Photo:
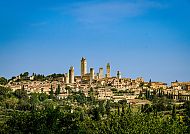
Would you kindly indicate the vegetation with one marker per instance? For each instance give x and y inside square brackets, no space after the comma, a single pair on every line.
[42,113]
[3,81]
[25,76]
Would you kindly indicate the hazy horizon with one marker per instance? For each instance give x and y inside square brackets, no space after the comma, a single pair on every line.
[140,38]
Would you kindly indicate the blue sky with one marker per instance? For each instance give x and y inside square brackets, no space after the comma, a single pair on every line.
[148,38]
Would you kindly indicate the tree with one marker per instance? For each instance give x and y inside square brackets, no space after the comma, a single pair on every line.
[108,108]
[91,95]
[186,105]
[42,96]
[11,103]
[141,84]
[147,95]
[96,114]
[58,90]
[118,109]
[25,74]
[162,104]
[159,92]
[101,107]
[34,100]
[79,97]
[21,94]
[3,81]
[4,91]
[23,105]
[51,92]
[147,108]
[68,89]
[114,90]
[49,104]
[39,77]
[174,112]
[123,109]
[54,120]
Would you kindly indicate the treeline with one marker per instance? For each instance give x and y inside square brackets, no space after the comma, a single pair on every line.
[150,95]
[60,121]
[40,113]
[25,76]
[3,81]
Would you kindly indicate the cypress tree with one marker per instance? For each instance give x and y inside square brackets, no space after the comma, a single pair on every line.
[108,107]
[51,92]
[142,108]
[58,90]
[159,93]
[123,109]
[174,112]
[118,110]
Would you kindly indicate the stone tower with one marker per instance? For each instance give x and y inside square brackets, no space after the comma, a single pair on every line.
[71,75]
[66,78]
[118,74]
[108,70]
[83,66]
[101,73]
[91,74]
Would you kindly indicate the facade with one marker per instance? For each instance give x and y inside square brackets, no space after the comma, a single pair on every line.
[104,94]
[139,79]
[83,67]
[158,85]
[118,83]
[180,85]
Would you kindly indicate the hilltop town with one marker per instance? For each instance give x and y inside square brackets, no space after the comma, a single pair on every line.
[94,67]
[92,103]
[105,87]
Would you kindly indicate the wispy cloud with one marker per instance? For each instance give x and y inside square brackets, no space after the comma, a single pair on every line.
[109,11]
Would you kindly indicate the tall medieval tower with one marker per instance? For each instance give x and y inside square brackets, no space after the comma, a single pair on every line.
[118,74]
[108,70]
[71,75]
[101,73]
[66,78]
[91,75]
[83,67]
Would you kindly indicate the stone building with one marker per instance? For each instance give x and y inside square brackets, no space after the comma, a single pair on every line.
[91,74]
[108,70]
[104,94]
[66,78]
[101,73]
[83,66]
[71,75]
[118,74]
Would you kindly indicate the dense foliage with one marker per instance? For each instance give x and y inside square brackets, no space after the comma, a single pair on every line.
[42,113]
[3,81]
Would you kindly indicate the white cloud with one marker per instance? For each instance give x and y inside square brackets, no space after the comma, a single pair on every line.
[109,11]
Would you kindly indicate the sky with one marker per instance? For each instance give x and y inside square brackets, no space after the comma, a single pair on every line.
[140,38]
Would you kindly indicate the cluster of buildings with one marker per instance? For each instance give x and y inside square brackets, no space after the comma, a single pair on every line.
[104,86]
[86,77]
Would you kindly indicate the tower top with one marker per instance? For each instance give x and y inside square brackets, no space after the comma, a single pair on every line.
[72,68]
[83,58]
